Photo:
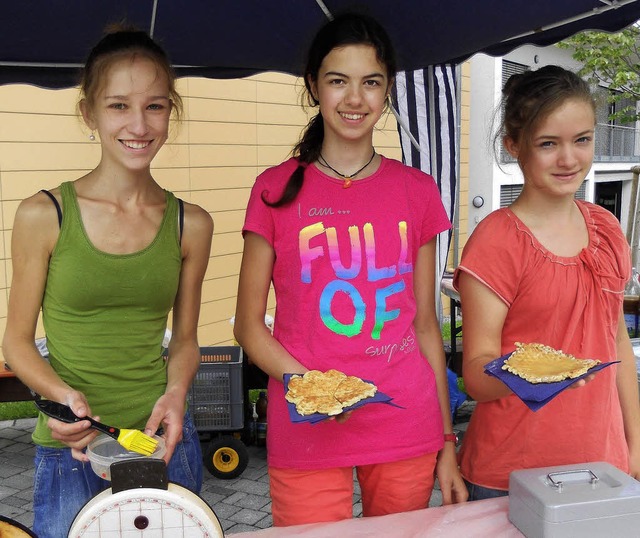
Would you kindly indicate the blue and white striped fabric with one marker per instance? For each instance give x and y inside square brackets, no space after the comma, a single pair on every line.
[428,125]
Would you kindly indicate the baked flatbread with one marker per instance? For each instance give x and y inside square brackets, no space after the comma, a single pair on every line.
[7,530]
[320,403]
[325,382]
[353,389]
[538,363]
[327,392]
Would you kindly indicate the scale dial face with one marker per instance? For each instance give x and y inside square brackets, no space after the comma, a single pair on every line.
[147,513]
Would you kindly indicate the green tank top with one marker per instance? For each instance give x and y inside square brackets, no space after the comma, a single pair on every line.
[105,316]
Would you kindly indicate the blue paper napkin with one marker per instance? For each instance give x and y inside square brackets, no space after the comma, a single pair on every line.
[534,395]
[378,397]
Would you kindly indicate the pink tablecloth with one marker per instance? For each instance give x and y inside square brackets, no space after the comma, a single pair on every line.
[480,518]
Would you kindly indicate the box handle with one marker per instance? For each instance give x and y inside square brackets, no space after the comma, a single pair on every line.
[558,484]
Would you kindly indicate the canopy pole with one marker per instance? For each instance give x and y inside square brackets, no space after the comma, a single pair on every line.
[154,12]
[404,127]
[325,9]
[608,5]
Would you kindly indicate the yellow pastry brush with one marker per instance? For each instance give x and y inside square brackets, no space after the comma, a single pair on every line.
[133,440]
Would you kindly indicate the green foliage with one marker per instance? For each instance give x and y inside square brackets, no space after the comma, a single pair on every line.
[460,383]
[610,60]
[446,330]
[16,410]
[254,394]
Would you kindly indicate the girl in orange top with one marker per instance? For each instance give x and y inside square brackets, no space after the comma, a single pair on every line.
[548,269]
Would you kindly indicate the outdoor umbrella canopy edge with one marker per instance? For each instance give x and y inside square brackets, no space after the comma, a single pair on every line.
[45,42]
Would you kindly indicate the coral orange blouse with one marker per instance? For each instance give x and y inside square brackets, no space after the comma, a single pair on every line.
[569,303]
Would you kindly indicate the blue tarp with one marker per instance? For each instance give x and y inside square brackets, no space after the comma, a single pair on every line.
[456,396]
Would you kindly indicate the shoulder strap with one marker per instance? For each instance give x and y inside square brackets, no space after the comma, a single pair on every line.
[55,203]
[181,216]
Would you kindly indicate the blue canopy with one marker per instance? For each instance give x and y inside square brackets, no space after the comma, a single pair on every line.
[44,42]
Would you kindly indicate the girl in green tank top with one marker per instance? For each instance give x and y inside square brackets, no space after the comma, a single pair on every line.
[106,259]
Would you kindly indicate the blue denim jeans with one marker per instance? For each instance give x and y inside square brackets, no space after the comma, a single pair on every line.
[478,493]
[63,485]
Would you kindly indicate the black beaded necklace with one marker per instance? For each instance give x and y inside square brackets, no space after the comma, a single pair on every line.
[347,177]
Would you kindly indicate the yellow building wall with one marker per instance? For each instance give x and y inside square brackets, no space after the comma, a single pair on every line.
[231,131]
[461,220]
[463,205]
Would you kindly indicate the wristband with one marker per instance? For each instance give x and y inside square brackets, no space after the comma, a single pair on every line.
[452,437]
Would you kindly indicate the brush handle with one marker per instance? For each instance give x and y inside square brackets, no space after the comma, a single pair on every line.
[109,430]
[65,414]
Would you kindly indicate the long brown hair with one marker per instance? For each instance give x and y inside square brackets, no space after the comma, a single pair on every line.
[345,29]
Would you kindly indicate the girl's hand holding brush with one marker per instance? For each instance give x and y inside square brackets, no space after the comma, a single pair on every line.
[76,435]
[131,439]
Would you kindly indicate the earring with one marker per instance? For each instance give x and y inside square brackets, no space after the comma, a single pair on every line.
[92,137]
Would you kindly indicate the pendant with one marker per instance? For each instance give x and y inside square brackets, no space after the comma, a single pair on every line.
[346,184]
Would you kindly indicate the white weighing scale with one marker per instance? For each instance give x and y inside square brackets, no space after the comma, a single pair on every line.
[142,504]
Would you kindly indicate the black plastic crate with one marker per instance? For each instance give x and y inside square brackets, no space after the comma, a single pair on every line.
[215,398]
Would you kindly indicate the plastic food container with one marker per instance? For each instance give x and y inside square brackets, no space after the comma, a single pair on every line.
[104,450]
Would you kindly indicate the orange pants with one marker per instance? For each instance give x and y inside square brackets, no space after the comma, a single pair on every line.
[299,496]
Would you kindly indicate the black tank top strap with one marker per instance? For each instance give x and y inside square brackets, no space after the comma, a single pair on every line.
[181,216]
[55,203]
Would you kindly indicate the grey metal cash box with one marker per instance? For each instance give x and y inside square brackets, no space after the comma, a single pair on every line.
[584,500]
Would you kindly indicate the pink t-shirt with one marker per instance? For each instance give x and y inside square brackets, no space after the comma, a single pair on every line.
[343,279]
[569,303]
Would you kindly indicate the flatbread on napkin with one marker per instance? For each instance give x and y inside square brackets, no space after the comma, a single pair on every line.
[538,363]
[326,392]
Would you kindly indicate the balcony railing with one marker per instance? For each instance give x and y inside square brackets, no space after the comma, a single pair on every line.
[616,143]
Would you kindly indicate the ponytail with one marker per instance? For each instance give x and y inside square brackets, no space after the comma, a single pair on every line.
[306,151]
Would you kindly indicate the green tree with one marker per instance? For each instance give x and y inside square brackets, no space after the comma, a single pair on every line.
[611,60]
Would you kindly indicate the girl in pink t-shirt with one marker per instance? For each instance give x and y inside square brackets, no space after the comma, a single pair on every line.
[549,269]
[348,239]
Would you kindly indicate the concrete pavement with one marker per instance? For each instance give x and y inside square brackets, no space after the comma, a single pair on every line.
[241,504]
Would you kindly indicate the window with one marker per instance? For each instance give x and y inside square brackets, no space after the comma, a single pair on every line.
[512,68]
[508,194]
